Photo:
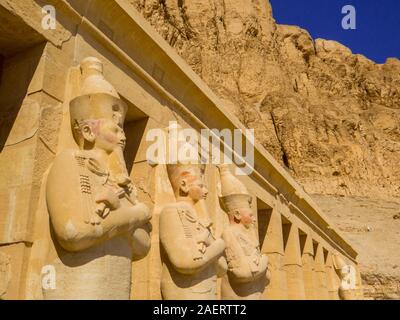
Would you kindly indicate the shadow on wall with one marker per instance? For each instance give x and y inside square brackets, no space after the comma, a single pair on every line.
[16,76]
[135,135]
[21,48]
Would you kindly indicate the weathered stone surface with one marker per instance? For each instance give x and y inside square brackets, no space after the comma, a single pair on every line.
[5,273]
[11,270]
[30,16]
[329,116]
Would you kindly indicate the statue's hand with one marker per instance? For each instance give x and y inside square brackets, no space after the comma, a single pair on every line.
[122,180]
[222,267]
[102,211]
[147,216]
[203,237]
[107,200]
[142,214]
[219,245]
[141,242]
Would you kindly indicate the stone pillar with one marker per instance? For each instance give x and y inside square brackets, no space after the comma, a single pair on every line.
[332,279]
[293,264]
[320,271]
[359,293]
[31,91]
[274,249]
[310,281]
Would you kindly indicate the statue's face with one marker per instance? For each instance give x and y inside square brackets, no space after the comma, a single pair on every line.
[193,185]
[198,190]
[246,216]
[107,135]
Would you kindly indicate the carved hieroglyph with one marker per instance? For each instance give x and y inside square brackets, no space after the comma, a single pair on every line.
[91,200]
[246,277]
[345,272]
[192,257]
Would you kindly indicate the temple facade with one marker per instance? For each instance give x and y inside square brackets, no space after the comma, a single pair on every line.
[85,214]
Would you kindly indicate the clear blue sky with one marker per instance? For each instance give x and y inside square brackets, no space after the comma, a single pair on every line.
[378,23]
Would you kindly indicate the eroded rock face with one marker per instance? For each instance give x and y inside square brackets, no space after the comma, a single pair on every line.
[329,116]
[320,110]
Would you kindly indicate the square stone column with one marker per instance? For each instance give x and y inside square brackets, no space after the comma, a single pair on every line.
[293,265]
[320,270]
[274,249]
[332,279]
[307,257]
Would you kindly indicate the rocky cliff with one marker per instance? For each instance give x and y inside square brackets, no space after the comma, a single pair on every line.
[332,118]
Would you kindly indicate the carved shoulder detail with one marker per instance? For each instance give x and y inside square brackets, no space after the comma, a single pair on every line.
[246,245]
[169,209]
[69,167]
[64,169]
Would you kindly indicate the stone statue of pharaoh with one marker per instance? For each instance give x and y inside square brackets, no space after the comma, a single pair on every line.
[192,257]
[95,217]
[247,267]
[347,278]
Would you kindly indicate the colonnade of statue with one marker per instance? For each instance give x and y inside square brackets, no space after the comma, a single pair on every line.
[98,225]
